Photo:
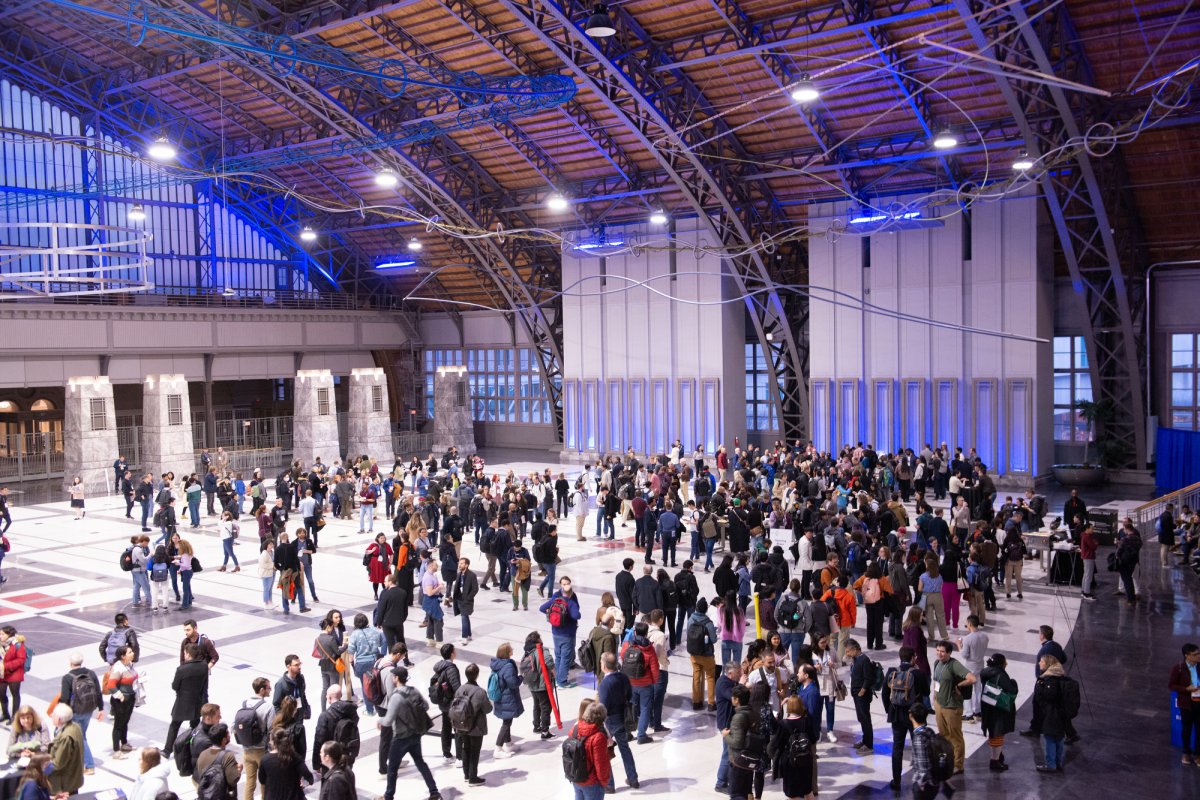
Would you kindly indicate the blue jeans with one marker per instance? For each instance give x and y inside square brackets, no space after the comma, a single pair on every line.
[141,583]
[643,698]
[592,791]
[709,544]
[1055,751]
[616,729]
[723,765]
[466,626]
[730,651]
[194,513]
[186,576]
[299,593]
[145,512]
[409,745]
[548,583]
[792,641]
[360,668]
[82,721]
[694,552]
[227,546]
[660,694]
[564,649]
[312,588]
[480,527]
[268,587]
[366,518]
[830,705]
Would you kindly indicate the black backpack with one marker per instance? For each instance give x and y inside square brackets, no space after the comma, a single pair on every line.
[787,611]
[574,757]
[1070,697]
[488,541]
[462,713]
[440,692]
[183,753]
[248,730]
[633,662]
[212,784]
[799,749]
[127,559]
[819,551]
[586,656]
[941,757]
[85,695]
[346,732]
[697,638]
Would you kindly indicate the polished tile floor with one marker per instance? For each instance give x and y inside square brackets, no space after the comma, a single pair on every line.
[64,586]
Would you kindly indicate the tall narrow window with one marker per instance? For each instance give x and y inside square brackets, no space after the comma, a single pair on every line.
[377,398]
[1072,383]
[760,401]
[174,409]
[322,402]
[1184,368]
[99,413]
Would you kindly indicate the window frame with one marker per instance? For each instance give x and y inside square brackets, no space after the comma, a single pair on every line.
[1075,373]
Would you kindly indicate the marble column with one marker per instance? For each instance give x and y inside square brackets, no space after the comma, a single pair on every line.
[452,422]
[369,422]
[90,433]
[167,444]
[314,418]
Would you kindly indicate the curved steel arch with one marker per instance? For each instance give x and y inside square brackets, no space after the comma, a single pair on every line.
[1078,201]
[651,106]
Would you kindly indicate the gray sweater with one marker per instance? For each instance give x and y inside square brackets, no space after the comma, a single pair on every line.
[407,712]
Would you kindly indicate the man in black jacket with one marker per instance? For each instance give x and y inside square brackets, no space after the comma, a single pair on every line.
[328,721]
[647,594]
[83,708]
[292,684]
[687,591]
[562,489]
[625,583]
[862,689]
[279,517]
[191,687]
[391,611]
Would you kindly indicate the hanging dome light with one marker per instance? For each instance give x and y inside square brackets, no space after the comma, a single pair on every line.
[805,91]
[161,149]
[414,244]
[945,139]
[599,25]
[1023,162]
[387,178]
[137,213]
[658,217]
[307,234]
[557,202]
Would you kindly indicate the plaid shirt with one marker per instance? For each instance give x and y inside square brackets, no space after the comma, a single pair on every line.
[920,755]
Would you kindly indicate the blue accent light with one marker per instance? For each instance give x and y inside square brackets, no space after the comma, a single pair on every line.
[863,220]
[598,245]
[386,265]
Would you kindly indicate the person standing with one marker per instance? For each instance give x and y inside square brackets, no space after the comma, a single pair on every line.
[950,678]
[624,591]
[77,492]
[254,742]
[190,685]
[595,743]
[999,717]
[1013,553]
[442,687]
[1058,700]
[862,689]
[661,643]
[292,684]
[283,772]
[974,649]
[924,785]
[640,664]
[1184,682]
[338,722]
[121,685]
[408,717]
[615,693]
[217,756]
[66,752]
[530,668]
[337,782]
[291,574]
[508,705]
[432,590]
[791,751]
[1128,558]
[81,690]
[563,614]
[1088,544]
[745,744]
[330,656]
[462,594]
[391,611]
[470,738]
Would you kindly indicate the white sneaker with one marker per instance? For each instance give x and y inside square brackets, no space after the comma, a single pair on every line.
[510,748]
[500,752]
[830,737]
[463,642]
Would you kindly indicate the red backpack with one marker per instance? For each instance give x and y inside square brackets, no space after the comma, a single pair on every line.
[558,613]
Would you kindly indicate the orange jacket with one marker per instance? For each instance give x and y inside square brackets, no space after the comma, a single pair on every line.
[847,608]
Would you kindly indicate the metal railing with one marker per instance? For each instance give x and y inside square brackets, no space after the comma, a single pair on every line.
[411,443]
[252,433]
[247,460]
[31,456]
[190,297]
[1145,514]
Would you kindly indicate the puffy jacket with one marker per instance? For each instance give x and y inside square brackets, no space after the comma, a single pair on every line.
[509,706]
[14,660]
[650,676]
[596,744]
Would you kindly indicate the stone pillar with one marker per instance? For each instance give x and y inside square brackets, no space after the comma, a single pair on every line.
[452,422]
[90,433]
[369,422]
[314,418]
[167,444]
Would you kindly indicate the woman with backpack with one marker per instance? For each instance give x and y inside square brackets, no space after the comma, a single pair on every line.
[139,552]
[504,690]
[1057,698]
[875,589]
[999,710]
[535,681]
[791,751]
[590,740]
[120,684]
[731,627]
[914,636]
[287,723]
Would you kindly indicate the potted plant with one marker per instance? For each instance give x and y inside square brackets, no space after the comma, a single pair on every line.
[1095,414]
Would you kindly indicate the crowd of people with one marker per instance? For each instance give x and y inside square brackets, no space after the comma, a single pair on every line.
[865,549]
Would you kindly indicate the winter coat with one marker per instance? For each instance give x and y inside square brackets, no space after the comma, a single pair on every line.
[596,745]
[66,752]
[191,688]
[713,638]
[378,569]
[1049,696]
[481,706]
[151,782]
[14,660]
[338,784]
[996,722]
[326,725]
[509,706]
[464,594]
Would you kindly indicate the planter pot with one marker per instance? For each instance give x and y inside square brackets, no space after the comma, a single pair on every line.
[1078,474]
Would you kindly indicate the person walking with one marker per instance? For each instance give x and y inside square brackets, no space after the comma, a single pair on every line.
[462,595]
[365,646]
[903,687]
[951,679]
[701,638]
[615,693]
[291,574]
[228,530]
[1184,683]
[506,698]
[391,611]
[81,690]
[999,714]
[563,613]
[1128,557]
[640,665]
[590,733]
[408,716]
[442,687]
[471,723]
[190,685]
[217,757]
[929,589]
[862,689]
[974,649]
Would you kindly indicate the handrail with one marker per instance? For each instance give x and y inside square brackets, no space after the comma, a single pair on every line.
[1168,498]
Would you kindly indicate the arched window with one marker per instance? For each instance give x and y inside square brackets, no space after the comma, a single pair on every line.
[8,407]
[42,405]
